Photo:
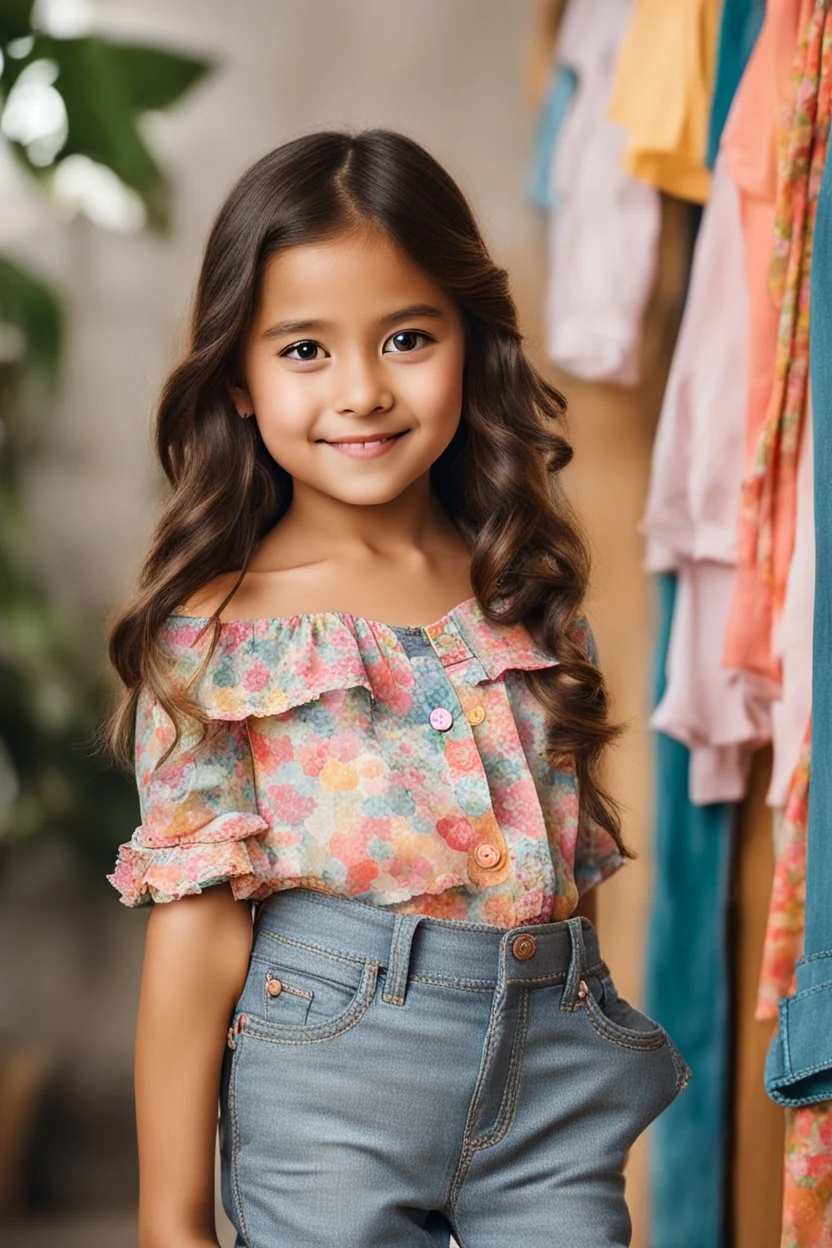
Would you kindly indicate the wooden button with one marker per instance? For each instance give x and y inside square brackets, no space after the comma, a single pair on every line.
[523,946]
[273,987]
[487,855]
[476,715]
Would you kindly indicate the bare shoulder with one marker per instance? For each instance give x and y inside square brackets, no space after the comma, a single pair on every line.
[210,596]
[258,595]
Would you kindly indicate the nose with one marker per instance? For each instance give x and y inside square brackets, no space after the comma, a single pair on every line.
[361,388]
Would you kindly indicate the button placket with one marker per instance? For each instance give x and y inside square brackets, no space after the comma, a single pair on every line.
[444,684]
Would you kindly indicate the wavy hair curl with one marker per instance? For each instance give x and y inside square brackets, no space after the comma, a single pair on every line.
[497,480]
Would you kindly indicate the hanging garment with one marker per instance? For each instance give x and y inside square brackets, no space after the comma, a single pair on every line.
[784,928]
[691,509]
[807,1186]
[604,230]
[701,707]
[739,28]
[562,87]
[686,981]
[807,1206]
[778,352]
[799,1061]
[662,91]
[793,634]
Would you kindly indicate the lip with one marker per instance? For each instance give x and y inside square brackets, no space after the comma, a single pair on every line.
[368,447]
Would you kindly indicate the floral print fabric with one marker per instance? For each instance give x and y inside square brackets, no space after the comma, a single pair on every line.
[403,767]
[784,931]
[768,505]
[807,1186]
[807,1189]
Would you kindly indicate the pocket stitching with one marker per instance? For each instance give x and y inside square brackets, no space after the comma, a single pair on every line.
[235,1138]
[622,1036]
[294,1033]
[303,994]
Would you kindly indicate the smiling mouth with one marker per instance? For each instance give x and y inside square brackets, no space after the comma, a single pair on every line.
[371,441]
[367,448]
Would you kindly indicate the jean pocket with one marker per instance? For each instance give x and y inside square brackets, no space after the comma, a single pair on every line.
[295,991]
[615,1019]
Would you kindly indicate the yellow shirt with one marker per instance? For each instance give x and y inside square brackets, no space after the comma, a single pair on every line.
[662,90]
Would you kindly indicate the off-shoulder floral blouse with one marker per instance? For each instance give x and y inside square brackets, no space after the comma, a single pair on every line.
[402,766]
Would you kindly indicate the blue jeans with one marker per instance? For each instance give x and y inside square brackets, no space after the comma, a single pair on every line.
[391,1078]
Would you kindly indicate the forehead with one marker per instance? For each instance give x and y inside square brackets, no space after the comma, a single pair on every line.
[345,275]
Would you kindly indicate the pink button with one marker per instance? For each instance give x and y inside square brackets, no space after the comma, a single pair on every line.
[440,719]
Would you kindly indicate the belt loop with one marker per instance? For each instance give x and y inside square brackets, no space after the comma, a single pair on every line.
[576,964]
[398,964]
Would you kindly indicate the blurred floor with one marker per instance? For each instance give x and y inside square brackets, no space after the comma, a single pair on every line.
[112,1231]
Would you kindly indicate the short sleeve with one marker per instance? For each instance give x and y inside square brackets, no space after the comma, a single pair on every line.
[596,854]
[596,857]
[199,819]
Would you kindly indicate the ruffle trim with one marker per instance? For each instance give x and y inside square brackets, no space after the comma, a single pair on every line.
[264,667]
[149,869]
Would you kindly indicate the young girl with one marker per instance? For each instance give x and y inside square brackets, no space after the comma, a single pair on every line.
[368,716]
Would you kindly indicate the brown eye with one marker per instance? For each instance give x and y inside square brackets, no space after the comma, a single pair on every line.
[407,340]
[306,351]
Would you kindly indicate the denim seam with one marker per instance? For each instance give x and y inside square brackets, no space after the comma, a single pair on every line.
[802,1071]
[394,961]
[610,1031]
[469,985]
[784,1036]
[269,1003]
[235,1139]
[683,1071]
[323,1031]
[466,1150]
[292,989]
[791,1103]
[809,992]
[300,944]
[505,1117]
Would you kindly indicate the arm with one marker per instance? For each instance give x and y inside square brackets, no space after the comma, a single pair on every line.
[196,959]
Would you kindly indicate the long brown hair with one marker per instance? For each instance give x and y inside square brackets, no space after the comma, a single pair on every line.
[497,479]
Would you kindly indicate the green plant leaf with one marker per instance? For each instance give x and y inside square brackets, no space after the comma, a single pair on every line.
[154,78]
[15,20]
[35,309]
[106,87]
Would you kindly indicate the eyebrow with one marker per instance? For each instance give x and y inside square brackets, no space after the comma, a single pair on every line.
[284,328]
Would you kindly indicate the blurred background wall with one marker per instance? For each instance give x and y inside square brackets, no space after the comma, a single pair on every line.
[455,75]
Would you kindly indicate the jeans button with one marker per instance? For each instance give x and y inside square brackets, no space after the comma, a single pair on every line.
[523,946]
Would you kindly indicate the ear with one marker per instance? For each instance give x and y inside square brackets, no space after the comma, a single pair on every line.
[241,399]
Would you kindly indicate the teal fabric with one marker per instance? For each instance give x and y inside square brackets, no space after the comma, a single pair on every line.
[687,985]
[799,1061]
[562,87]
[741,22]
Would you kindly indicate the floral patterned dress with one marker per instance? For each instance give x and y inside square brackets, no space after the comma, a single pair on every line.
[403,767]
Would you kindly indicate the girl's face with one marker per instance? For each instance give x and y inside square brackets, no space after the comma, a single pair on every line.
[353,367]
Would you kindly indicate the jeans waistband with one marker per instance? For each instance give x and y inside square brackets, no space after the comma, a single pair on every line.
[445,949]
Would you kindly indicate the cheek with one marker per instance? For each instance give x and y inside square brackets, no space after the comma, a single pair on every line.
[437,395]
[285,405]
